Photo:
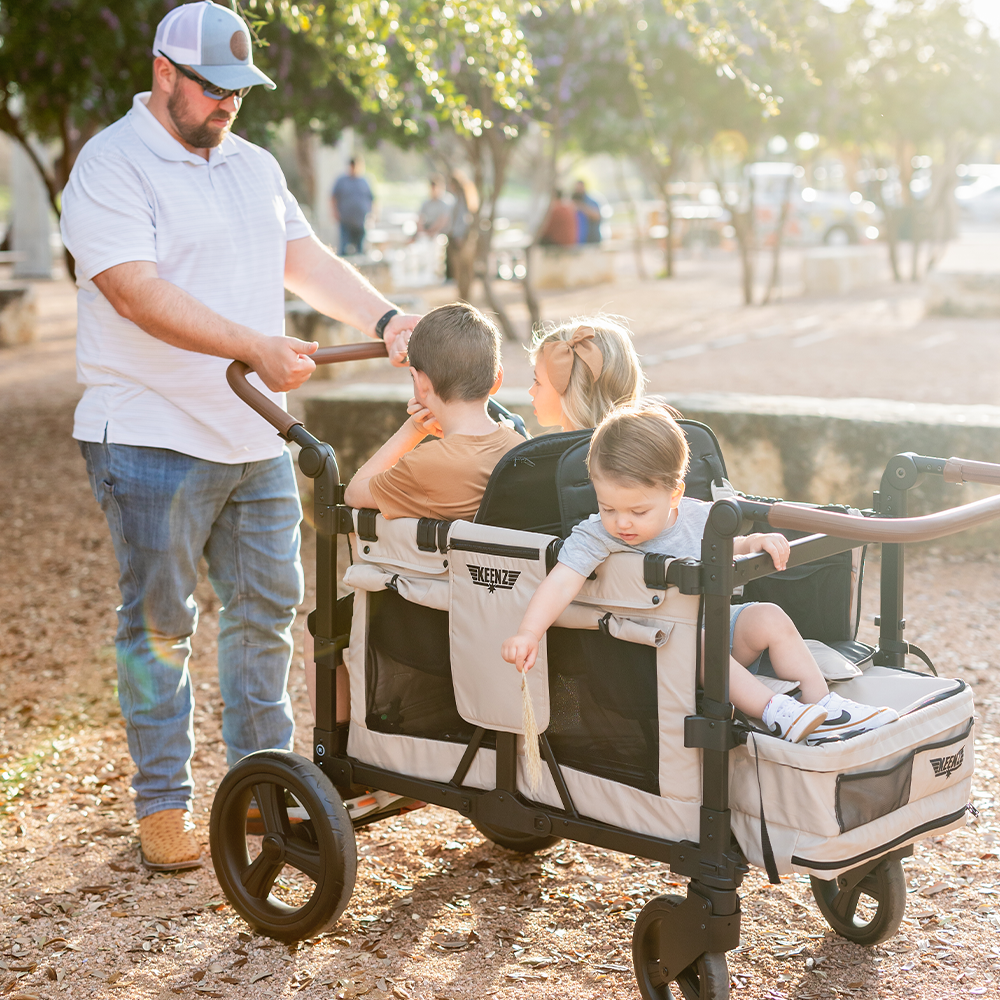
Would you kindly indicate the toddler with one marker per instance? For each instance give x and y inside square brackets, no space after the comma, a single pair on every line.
[583,370]
[637,462]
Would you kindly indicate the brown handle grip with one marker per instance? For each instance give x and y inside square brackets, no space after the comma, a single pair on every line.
[964,470]
[884,529]
[350,352]
[236,376]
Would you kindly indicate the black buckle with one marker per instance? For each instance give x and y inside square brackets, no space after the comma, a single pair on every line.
[366,524]
[432,534]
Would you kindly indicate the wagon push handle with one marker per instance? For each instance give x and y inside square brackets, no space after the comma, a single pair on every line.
[236,376]
[888,529]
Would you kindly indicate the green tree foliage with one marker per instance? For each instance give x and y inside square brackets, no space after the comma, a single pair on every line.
[917,80]
[68,67]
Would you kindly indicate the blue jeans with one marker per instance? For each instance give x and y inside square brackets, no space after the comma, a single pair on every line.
[165,511]
[352,239]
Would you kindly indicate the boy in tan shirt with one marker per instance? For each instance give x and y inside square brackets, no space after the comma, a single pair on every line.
[454,355]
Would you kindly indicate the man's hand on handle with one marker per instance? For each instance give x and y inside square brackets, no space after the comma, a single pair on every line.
[283,363]
[397,337]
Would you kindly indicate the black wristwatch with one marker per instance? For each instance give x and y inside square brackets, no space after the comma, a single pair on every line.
[383,323]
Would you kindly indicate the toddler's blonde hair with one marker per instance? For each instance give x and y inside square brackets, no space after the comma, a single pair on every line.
[643,445]
[587,401]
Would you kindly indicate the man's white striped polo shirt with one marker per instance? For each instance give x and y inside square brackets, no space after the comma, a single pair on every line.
[216,228]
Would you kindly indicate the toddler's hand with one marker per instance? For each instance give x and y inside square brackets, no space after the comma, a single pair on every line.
[521,650]
[423,418]
[777,547]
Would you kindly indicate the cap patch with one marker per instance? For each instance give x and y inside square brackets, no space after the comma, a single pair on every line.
[239,45]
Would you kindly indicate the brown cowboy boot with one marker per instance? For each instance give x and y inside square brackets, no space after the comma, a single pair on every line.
[167,841]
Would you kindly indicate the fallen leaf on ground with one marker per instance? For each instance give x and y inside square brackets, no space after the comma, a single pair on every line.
[933,890]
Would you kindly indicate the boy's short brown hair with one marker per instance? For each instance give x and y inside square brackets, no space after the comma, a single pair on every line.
[643,445]
[458,349]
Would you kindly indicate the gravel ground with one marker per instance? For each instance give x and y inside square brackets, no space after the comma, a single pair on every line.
[437,912]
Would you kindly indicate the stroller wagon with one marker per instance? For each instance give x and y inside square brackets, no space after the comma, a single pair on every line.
[637,756]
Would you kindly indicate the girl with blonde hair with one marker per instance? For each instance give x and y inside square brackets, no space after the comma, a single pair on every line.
[584,368]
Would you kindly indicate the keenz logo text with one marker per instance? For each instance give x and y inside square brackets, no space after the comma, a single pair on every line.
[944,766]
[489,576]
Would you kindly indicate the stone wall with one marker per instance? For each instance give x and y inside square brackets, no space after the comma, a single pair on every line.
[799,448]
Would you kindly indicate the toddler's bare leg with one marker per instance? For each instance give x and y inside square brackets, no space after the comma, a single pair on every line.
[747,693]
[766,626]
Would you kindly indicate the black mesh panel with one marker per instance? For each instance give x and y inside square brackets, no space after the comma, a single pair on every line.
[603,717]
[863,798]
[408,671]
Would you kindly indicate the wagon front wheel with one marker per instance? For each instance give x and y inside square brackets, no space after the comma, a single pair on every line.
[282,845]
[707,978]
[871,911]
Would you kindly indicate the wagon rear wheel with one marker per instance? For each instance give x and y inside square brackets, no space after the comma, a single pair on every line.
[289,869]
[707,978]
[523,843]
[872,910]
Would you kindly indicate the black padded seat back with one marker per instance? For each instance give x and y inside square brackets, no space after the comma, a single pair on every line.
[522,491]
[543,485]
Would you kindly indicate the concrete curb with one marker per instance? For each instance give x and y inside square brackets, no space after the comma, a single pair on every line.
[797,447]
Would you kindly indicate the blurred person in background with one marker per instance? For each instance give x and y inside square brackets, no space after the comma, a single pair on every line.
[437,211]
[560,226]
[588,215]
[351,201]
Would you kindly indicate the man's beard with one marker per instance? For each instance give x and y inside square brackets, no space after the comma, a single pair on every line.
[197,134]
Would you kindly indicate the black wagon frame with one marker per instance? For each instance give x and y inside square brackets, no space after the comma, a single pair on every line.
[707,921]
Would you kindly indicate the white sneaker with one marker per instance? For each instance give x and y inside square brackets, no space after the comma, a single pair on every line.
[846,718]
[791,719]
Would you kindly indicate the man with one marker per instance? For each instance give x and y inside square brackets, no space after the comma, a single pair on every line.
[588,213]
[436,211]
[351,201]
[184,236]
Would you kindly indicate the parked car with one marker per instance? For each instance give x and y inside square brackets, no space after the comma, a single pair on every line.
[834,218]
[979,198]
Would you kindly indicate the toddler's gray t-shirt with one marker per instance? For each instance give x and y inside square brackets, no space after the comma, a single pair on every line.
[590,543]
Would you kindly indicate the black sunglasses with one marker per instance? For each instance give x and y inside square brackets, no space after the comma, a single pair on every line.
[208,89]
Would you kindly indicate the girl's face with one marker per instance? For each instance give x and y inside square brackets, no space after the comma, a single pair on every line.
[636,514]
[548,402]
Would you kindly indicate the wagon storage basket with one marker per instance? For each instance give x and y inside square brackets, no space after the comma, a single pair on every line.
[830,807]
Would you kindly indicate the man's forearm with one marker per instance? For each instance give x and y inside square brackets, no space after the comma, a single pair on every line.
[332,286]
[167,312]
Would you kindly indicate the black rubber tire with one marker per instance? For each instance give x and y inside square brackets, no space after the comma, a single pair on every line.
[322,847]
[705,979]
[522,843]
[885,884]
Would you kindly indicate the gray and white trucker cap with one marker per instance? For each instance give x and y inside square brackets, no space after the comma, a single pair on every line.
[213,40]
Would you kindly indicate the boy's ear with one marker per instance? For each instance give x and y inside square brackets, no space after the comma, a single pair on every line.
[498,382]
[421,383]
[675,497]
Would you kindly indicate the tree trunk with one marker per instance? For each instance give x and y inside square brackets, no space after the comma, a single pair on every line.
[499,152]
[891,217]
[743,224]
[463,264]
[633,215]
[668,240]
[786,201]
